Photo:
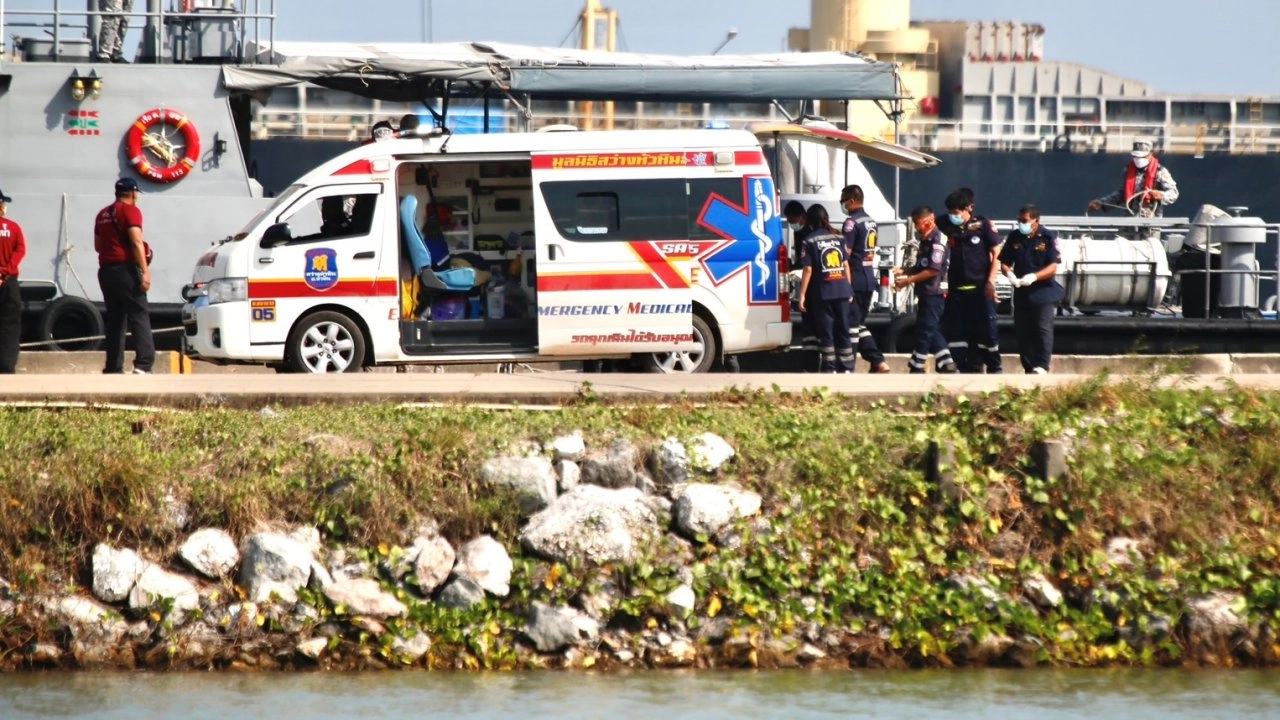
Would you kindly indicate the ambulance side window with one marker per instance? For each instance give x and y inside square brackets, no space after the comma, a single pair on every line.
[619,209]
[332,217]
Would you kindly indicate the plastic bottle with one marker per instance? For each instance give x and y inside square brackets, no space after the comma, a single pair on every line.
[497,294]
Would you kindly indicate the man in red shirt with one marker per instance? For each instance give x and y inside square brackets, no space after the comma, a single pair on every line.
[124,274]
[13,247]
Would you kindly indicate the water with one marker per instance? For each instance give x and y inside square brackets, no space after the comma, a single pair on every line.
[1127,694]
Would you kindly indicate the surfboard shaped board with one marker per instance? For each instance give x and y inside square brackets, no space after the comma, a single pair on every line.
[886,152]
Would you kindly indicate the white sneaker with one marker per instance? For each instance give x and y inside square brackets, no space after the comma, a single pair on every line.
[1039,371]
[137,371]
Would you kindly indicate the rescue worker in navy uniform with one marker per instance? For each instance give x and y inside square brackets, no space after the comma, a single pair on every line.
[969,320]
[828,297]
[797,221]
[13,248]
[1030,257]
[926,274]
[860,235]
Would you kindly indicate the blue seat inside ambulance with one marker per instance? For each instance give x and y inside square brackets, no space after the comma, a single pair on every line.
[426,254]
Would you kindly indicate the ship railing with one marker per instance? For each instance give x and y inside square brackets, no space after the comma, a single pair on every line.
[1174,138]
[69,32]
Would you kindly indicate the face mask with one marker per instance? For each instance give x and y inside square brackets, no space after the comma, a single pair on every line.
[1025,228]
[795,227]
[955,219]
[924,229]
[1141,163]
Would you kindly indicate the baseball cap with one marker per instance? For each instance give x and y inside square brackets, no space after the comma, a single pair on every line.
[5,198]
[124,185]
[1141,148]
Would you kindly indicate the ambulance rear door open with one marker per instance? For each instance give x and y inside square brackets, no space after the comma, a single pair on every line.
[614,264]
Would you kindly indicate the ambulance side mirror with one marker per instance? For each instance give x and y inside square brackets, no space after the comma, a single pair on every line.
[277,235]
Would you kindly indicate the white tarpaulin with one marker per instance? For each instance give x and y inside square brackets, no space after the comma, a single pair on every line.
[405,71]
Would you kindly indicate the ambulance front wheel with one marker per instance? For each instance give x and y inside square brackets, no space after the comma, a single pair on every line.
[326,342]
[697,359]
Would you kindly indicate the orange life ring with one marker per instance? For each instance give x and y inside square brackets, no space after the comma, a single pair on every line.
[140,142]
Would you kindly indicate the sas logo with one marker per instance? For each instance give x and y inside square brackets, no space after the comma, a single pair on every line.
[83,122]
[321,272]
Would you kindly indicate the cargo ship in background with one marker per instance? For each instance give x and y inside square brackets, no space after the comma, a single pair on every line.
[982,96]
[1018,127]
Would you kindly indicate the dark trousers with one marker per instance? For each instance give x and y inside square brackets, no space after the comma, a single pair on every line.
[809,345]
[126,304]
[1033,325]
[970,326]
[10,325]
[867,347]
[928,332]
[834,340]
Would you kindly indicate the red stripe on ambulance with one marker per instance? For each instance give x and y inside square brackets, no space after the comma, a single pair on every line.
[598,281]
[356,287]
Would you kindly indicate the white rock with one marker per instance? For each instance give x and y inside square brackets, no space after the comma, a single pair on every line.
[593,524]
[114,572]
[364,596]
[309,537]
[1042,592]
[532,479]
[705,509]
[1123,551]
[320,575]
[487,562]
[412,648]
[681,601]
[708,452]
[211,552]
[313,648]
[87,618]
[1214,616]
[273,563]
[434,562]
[552,629]
[156,585]
[461,593]
[568,475]
[810,653]
[671,462]
[568,447]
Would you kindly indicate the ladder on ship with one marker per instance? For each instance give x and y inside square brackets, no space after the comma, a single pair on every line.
[1256,116]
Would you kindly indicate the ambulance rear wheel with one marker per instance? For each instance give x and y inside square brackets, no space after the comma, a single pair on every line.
[326,342]
[697,359]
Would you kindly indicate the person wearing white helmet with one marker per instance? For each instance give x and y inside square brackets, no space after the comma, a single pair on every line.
[1148,185]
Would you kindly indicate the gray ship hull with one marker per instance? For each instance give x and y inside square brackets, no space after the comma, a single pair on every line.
[1063,183]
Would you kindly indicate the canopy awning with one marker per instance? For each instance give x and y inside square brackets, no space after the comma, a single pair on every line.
[415,72]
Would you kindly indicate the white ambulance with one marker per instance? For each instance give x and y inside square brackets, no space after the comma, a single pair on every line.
[661,246]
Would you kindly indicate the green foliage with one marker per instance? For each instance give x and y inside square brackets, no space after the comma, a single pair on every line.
[855,534]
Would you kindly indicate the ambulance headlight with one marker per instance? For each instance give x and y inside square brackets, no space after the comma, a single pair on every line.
[225,290]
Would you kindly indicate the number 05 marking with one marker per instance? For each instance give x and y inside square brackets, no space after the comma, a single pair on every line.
[263,311]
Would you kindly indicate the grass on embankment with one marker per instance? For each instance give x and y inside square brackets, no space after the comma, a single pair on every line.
[856,538]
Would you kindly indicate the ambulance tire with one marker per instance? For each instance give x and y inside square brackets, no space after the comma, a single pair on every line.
[65,320]
[325,342]
[685,361]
